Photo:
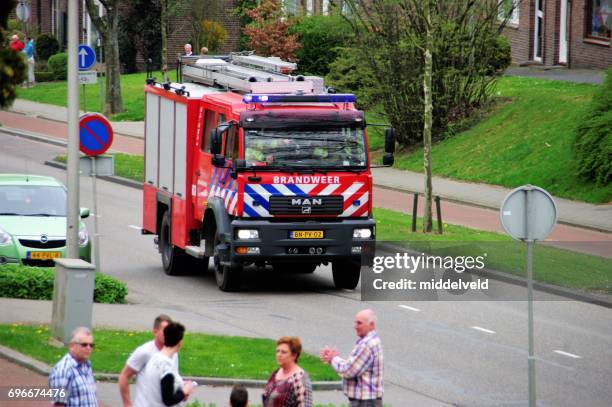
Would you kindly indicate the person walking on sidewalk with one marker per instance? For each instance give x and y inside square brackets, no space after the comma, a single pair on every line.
[161,383]
[289,385]
[29,52]
[139,358]
[72,376]
[362,371]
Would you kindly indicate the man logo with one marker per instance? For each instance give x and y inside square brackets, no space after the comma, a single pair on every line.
[306,202]
[44,238]
[306,209]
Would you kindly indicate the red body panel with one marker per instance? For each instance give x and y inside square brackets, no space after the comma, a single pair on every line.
[149,205]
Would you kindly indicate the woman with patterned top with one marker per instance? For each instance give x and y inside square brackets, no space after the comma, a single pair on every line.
[289,385]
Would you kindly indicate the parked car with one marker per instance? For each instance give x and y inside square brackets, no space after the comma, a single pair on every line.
[33,221]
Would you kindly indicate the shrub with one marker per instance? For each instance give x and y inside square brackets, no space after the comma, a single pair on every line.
[213,36]
[46,46]
[44,76]
[321,38]
[36,283]
[58,64]
[593,145]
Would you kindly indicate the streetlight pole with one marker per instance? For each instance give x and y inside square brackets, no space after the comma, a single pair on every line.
[72,220]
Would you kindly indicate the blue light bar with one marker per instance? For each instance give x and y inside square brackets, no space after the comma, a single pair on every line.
[327,98]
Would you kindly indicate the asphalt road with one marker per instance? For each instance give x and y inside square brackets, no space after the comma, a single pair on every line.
[463,353]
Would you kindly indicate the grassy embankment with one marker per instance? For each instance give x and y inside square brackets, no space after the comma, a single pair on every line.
[201,355]
[526,140]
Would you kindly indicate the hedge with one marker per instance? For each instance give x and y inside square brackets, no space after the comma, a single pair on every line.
[44,76]
[58,64]
[36,283]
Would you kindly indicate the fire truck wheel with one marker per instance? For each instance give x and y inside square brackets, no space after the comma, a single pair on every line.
[228,278]
[346,274]
[173,258]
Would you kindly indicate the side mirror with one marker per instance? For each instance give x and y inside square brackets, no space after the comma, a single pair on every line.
[218,160]
[238,166]
[215,142]
[388,158]
[84,212]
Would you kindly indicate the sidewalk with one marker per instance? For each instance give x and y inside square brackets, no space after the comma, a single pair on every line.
[138,317]
[129,139]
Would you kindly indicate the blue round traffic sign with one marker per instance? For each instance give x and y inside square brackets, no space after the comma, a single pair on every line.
[86,57]
[95,133]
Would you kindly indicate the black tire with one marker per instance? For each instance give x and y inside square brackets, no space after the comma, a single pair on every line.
[346,274]
[228,278]
[173,258]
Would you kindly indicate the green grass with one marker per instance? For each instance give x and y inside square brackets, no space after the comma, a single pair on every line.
[526,140]
[126,165]
[551,265]
[132,91]
[201,355]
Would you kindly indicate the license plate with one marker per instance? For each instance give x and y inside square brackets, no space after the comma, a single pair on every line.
[44,255]
[306,234]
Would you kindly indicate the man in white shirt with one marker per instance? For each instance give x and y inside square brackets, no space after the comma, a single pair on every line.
[139,358]
[188,51]
[162,386]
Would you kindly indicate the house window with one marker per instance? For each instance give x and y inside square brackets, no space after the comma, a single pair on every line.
[509,9]
[599,18]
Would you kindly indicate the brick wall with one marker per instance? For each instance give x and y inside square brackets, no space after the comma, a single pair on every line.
[583,52]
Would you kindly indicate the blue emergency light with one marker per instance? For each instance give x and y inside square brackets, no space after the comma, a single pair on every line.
[327,98]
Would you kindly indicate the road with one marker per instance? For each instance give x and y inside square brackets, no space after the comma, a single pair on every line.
[463,353]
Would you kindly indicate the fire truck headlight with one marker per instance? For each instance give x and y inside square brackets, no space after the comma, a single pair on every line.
[246,234]
[363,233]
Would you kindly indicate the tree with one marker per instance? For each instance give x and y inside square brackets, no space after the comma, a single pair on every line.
[12,65]
[269,32]
[467,55]
[427,115]
[200,11]
[168,9]
[108,27]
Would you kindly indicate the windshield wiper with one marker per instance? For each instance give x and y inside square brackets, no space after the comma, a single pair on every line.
[9,214]
[39,214]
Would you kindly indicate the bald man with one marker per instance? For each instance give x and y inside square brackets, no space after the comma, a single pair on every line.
[362,371]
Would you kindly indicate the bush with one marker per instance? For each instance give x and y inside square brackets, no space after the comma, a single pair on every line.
[36,283]
[46,46]
[213,36]
[593,145]
[58,64]
[44,76]
[321,38]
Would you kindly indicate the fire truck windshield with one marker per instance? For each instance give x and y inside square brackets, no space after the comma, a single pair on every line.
[324,148]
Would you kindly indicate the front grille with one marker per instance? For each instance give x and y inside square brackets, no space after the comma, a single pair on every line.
[305,205]
[37,244]
[38,263]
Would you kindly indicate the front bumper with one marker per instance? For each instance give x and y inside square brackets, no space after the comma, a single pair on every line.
[276,246]
[17,253]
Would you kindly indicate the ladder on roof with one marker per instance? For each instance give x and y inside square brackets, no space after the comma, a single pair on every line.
[251,74]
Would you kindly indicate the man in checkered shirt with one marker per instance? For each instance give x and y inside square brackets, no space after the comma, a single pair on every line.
[362,371]
[72,375]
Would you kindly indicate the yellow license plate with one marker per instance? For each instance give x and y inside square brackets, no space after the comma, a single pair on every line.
[306,234]
[44,255]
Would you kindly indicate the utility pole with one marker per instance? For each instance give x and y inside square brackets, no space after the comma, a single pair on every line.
[73,218]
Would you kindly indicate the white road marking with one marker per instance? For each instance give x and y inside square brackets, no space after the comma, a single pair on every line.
[571,355]
[409,307]
[483,329]
[135,227]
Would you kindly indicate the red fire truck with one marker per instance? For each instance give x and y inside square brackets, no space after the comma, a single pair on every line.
[250,165]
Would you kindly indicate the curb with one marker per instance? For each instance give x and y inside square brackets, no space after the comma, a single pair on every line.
[118,180]
[522,281]
[44,369]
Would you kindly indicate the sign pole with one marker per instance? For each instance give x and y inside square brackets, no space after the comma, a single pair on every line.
[529,241]
[96,240]
[72,220]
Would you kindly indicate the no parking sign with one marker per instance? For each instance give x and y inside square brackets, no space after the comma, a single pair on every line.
[95,133]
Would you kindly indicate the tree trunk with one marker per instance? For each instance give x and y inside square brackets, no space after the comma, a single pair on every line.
[114,101]
[107,26]
[427,116]
[164,38]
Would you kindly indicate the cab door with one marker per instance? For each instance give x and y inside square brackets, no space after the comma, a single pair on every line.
[204,170]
